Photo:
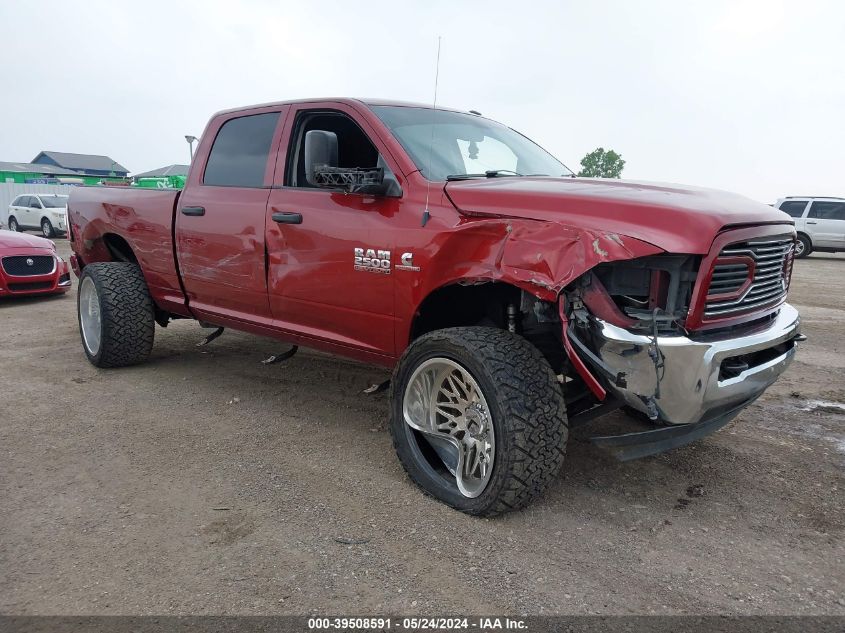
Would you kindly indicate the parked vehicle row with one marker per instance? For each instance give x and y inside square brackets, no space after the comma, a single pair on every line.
[46,212]
[30,265]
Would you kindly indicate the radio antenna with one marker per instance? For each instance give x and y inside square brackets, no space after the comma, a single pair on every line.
[426,213]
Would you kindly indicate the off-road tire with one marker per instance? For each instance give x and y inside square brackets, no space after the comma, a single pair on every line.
[526,405]
[13,222]
[128,322]
[808,246]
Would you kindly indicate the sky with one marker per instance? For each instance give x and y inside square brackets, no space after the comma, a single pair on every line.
[742,95]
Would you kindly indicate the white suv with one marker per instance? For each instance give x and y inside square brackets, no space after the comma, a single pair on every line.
[44,211]
[820,223]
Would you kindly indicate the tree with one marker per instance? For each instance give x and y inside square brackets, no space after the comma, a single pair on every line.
[602,164]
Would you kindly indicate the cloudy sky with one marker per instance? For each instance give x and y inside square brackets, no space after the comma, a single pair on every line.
[745,95]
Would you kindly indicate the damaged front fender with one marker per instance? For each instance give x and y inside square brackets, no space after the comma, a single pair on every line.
[547,256]
[536,256]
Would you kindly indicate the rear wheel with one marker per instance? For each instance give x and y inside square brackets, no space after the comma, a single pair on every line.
[115,311]
[478,419]
[13,224]
[47,228]
[804,247]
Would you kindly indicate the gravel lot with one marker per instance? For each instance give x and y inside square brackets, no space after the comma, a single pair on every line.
[207,483]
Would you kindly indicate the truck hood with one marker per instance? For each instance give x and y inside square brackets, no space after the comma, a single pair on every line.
[674,218]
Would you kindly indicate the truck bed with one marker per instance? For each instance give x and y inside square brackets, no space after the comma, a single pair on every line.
[101,218]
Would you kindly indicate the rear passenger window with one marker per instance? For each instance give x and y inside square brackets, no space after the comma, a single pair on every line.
[827,210]
[795,208]
[22,201]
[239,155]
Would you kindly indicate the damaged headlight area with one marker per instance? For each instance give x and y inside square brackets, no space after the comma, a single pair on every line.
[647,293]
[626,322]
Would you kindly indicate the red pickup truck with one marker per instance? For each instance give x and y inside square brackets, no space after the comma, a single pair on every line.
[512,300]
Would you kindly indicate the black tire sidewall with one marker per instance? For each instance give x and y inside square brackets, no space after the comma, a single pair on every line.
[808,247]
[126,313]
[421,471]
[416,464]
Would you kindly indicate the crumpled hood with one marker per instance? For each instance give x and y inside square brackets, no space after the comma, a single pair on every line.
[10,239]
[675,218]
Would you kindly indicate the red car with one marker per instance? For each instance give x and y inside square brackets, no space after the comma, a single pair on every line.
[29,265]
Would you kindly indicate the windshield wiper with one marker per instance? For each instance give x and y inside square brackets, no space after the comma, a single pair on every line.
[490,173]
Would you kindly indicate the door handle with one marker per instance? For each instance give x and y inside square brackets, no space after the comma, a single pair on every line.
[283,217]
[193,210]
[808,222]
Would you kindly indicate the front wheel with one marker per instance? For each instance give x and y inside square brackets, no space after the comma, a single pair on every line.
[804,247]
[47,228]
[116,320]
[478,419]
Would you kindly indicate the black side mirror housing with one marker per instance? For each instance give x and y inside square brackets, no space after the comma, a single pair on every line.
[320,151]
[321,170]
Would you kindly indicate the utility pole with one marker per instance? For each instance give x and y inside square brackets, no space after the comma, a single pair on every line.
[191,140]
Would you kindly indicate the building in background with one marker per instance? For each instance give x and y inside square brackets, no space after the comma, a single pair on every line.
[170,170]
[169,177]
[40,174]
[18,178]
[86,164]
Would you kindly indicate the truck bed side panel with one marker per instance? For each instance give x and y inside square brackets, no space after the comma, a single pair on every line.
[144,219]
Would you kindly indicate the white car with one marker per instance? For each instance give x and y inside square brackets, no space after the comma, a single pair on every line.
[44,211]
[820,223]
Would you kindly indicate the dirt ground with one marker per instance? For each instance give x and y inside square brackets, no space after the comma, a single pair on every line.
[207,483]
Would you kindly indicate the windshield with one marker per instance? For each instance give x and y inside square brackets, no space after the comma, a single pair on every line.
[443,143]
[54,202]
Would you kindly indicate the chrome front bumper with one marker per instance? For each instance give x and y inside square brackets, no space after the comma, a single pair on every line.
[692,385]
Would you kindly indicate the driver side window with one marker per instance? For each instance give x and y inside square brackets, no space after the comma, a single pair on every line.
[354,149]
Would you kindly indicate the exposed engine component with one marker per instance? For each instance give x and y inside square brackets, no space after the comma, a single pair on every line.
[651,293]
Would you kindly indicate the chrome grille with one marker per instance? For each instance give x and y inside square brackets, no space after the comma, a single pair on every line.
[772,262]
[728,278]
[29,265]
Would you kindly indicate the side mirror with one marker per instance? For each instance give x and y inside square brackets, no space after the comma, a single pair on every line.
[320,152]
[321,169]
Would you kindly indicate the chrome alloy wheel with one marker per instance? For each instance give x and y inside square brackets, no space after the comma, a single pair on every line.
[90,319]
[799,248]
[444,402]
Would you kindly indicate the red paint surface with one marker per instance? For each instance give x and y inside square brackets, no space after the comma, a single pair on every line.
[297,282]
[675,218]
[580,367]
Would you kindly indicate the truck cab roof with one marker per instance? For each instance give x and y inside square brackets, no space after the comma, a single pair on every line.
[343,100]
